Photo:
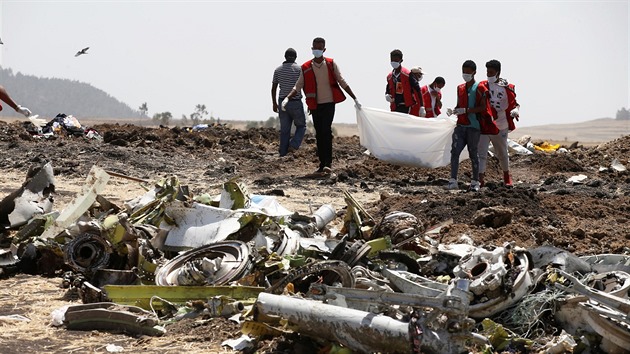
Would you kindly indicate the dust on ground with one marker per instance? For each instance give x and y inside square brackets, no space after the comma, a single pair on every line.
[588,218]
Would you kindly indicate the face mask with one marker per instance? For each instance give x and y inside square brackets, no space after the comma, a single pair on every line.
[467,77]
[317,53]
[436,89]
[492,79]
[395,64]
[419,78]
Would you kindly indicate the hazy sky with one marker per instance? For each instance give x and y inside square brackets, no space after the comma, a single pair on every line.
[568,59]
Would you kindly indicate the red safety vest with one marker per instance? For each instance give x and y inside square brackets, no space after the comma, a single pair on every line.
[406,87]
[426,98]
[486,123]
[511,96]
[310,84]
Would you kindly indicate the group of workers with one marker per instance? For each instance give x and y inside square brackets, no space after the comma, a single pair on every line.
[485,110]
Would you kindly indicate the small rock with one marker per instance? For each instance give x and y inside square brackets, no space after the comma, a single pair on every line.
[494,217]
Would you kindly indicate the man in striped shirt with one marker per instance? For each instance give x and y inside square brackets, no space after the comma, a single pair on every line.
[286,75]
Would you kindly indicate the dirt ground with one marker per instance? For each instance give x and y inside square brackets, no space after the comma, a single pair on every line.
[588,218]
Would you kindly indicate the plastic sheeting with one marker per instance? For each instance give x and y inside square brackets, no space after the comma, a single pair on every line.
[402,139]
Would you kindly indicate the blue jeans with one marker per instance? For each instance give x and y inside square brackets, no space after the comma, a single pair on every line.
[294,114]
[465,137]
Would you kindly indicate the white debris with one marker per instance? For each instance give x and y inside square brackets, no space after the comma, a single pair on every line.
[241,343]
[577,179]
[618,166]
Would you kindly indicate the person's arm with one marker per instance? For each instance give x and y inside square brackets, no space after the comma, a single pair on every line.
[342,82]
[274,89]
[4,96]
[480,105]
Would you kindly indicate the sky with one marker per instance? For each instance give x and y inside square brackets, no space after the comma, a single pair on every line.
[568,59]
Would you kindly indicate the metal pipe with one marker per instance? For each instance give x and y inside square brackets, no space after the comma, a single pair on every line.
[357,330]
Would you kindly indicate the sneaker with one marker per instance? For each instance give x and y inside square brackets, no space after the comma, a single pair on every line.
[474,186]
[452,184]
[327,170]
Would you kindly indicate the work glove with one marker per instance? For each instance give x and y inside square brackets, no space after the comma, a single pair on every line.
[388,98]
[458,111]
[284,103]
[23,110]
[357,104]
[423,112]
[514,113]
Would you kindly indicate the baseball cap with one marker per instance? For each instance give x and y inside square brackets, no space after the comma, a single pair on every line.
[417,70]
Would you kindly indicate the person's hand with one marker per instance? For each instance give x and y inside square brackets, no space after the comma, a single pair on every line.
[23,110]
[459,111]
[357,104]
[514,113]
[284,103]
[388,98]
[449,112]
[423,112]
[275,107]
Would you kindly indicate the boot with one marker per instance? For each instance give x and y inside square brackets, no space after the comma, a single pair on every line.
[481,180]
[507,179]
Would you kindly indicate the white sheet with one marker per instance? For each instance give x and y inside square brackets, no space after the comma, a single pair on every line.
[403,139]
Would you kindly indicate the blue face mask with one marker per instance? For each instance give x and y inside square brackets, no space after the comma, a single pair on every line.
[318,53]
[395,64]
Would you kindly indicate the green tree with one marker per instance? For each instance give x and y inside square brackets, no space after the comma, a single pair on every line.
[199,114]
[623,114]
[163,118]
[144,109]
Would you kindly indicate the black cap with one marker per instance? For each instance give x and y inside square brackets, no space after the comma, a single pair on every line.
[290,54]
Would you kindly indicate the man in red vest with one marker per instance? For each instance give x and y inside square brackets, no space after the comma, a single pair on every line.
[401,86]
[504,110]
[4,96]
[322,82]
[473,114]
[432,97]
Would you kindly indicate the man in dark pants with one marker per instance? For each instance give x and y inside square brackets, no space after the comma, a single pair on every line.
[286,76]
[322,82]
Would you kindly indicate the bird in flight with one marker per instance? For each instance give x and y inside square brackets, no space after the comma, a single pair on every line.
[82,51]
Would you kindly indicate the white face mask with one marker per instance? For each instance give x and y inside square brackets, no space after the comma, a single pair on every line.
[492,79]
[419,78]
[318,53]
[436,89]
[395,64]
[467,77]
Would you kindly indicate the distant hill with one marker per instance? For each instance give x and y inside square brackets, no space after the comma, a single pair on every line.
[50,96]
[597,130]
[594,131]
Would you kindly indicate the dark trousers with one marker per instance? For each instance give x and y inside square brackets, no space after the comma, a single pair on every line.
[323,117]
[402,108]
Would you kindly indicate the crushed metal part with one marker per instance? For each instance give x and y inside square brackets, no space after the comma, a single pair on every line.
[214,264]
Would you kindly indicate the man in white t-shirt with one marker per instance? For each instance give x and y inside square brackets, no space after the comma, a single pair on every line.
[504,110]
